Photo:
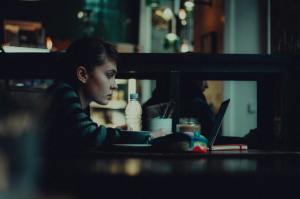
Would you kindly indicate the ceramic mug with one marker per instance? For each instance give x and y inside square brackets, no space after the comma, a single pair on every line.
[155,124]
[134,137]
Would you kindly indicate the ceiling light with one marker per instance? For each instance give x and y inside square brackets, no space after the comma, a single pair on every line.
[48,43]
[153,3]
[80,14]
[172,42]
[182,14]
[184,48]
[161,17]
[189,5]
[167,14]
[171,36]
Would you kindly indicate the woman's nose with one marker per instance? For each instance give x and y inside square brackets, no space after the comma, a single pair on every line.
[114,86]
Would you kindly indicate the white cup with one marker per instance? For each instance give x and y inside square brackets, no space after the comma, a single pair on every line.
[155,124]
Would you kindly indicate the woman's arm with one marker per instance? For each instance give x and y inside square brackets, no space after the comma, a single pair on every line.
[68,127]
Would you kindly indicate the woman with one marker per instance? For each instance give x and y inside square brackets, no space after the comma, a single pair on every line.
[89,68]
[192,103]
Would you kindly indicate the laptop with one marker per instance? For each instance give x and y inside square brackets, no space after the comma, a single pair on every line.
[217,124]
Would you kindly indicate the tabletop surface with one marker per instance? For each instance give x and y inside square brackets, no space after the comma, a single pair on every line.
[114,174]
[131,163]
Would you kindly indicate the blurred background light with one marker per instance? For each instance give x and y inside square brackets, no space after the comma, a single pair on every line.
[171,36]
[153,3]
[167,14]
[48,43]
[182,14]
[184,48]
[189,5]
[172,42]
[161,17]
[80,14]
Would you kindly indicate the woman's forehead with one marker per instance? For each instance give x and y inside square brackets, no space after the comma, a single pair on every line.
[108,65]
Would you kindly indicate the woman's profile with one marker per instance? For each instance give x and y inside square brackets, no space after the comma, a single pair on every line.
[87,73]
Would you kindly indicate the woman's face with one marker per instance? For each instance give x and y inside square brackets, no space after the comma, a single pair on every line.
[101,83]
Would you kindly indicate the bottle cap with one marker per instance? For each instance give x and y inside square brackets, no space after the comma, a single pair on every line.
[134,96]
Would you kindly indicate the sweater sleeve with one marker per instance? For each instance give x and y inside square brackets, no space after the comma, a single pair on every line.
[68,127]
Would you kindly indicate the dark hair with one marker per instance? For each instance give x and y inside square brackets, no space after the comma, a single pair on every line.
[89,53]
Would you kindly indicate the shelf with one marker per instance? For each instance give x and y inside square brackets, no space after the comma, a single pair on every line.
[113,104]
[121,81]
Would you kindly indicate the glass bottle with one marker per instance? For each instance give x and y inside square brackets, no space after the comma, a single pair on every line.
[188,124]
[133,113]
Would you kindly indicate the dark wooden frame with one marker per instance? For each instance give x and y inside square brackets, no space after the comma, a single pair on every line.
[276,75]
[203,2]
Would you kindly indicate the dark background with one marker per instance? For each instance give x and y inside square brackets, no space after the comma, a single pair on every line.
[59,18]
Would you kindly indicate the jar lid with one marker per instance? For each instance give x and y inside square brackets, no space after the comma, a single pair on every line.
[188,119]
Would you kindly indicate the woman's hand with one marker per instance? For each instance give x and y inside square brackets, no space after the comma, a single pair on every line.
[159,133]
[125,127]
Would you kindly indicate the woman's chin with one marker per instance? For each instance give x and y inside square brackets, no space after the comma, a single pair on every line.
[103,102]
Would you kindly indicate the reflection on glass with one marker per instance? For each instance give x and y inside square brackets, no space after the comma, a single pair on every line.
[132,167]
[19,144]
[4,172]
[198,165]
[240,165]
[129,167]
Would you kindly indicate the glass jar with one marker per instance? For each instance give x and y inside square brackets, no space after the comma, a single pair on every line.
[188,124]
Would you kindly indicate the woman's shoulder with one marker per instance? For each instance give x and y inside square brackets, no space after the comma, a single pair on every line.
[57,91]
[196,104]
[60,97]
[196,101]
[60,85]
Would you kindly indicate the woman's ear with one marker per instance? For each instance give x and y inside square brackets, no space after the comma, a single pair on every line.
[82,74]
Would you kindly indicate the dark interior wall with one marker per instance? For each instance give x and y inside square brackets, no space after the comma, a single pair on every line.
[59,18]
[285,27]
[19,10]
[285,39]
[37,11]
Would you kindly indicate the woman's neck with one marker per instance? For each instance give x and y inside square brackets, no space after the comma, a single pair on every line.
[84,101]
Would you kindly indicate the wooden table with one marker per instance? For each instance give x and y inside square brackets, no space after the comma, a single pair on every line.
[229,174]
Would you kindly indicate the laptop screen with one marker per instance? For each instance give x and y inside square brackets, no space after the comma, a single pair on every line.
[217,123]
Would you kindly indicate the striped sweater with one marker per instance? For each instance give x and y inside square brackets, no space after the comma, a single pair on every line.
[68,128]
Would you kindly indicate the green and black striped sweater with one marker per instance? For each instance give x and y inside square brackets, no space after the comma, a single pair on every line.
[68,128]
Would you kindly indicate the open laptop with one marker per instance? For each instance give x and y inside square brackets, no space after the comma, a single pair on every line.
[217,124]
